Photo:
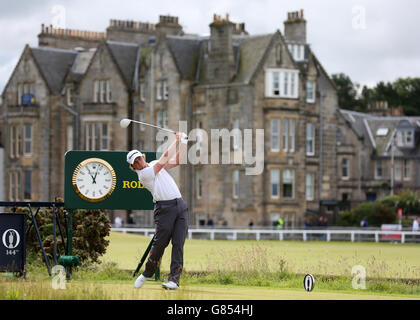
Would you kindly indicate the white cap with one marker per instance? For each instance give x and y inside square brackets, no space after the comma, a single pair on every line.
[132,155]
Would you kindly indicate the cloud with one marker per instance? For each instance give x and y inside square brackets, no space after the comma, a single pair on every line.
[386,49]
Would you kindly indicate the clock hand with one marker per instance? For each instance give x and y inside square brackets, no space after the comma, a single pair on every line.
[93,179]
[96,173]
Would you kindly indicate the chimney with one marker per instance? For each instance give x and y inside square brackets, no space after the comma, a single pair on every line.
[295,27]
[221,62]
[168,25]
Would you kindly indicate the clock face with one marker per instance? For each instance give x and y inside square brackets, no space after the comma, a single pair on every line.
[94,180]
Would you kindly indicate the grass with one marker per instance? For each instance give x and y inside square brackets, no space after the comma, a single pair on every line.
[237,270]
[381,260]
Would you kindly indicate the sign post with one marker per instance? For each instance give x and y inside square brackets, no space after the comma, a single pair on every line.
[12,243]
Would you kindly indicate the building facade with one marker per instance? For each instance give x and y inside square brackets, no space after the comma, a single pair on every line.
[71,91]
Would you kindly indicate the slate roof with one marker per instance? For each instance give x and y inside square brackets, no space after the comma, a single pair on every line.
[54,65]
[186,53]
[367,126]
[125,55]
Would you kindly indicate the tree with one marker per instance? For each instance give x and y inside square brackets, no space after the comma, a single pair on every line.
[347,91]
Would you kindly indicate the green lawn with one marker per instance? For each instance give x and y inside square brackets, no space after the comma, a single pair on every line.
[381,260]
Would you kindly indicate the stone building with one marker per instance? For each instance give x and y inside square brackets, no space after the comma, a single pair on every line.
[72,90]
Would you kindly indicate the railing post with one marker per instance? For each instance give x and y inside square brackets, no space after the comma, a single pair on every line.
[304,235]
[281,236]
[376,237]
[257,236]
[402,237]
[190,235]
[352,237]
[235,236]
[328,236]
[212,235]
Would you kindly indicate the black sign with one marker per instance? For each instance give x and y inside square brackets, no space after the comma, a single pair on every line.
[12,242]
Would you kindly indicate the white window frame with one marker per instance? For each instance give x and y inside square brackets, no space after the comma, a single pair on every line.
[275,135]
[310,91]
[275,180]
[12,141]
[96,91]
[95,138]
[293,183]
[108,91]
[310,186]
[288,85]
[235,184]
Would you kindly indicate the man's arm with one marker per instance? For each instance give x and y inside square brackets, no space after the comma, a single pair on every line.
[168,154]
[175,161]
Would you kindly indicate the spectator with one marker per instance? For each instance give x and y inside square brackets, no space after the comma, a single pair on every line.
[118,222]
[251,223]
[364,223]
[130,218]
[322,225]
[308,225]
[416,224]
[224,223]
[210,222]
[280,223]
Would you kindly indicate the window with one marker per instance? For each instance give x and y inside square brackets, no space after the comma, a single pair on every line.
[27,193]
[28,140]
[142,119]
[345,168]
[142,91]
[378,169]
[278,53]
[282,83]
[407,170]
[274,219]
[102,91]
[297,51]
[22,89]
[69,137]
[159,90]
[14,186]
[405,138]
[275,183]
[199,190]
[291,135]
[310,186]
[236,134]
[288,220]
[398,170]
[159,118]
[288,184]
[275,135]
[310,91]
[70,100]
[97,136]
[165,119]
[16,141]
[235,184]
[285,135]
[165,90]
[310,139]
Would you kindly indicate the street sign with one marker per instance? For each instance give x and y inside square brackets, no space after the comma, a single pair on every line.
[103,180]
[12,242]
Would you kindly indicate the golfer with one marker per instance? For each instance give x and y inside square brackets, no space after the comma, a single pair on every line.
[170,213]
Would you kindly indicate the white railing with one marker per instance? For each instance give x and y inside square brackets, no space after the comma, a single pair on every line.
[305,235]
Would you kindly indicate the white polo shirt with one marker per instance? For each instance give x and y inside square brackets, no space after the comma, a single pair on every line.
[161,185]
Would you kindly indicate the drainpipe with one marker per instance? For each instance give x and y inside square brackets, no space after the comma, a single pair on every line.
[320,149]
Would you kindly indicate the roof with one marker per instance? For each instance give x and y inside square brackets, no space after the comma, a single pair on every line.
[367,126]
[54,65]
[125,55]
[186,53]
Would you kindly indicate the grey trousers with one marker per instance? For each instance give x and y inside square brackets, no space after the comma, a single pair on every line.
[171,219]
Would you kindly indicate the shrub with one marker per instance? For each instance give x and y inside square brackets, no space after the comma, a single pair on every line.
[90,228]
[376,213]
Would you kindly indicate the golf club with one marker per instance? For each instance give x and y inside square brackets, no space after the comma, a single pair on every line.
[124,123]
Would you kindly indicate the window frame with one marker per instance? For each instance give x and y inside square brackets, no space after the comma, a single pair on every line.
[275,135]
[310,139]
[292,171]
[311,185]
[288,86]
[407,168]
[313,99]
[345,166]
[379,177]
[27,140]
[273,182]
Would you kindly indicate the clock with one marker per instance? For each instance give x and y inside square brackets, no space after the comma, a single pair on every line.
[94,180]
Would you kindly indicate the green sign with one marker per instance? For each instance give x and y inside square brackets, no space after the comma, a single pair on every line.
[103,180]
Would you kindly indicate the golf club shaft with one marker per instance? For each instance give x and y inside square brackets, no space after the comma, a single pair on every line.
[151,125]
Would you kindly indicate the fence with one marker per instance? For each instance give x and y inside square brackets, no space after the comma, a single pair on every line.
[305,235]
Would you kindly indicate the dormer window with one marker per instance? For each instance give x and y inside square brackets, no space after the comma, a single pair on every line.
[297,51]
[281,83]
[405,138]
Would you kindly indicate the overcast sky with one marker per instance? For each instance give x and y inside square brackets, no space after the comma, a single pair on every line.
[370,40]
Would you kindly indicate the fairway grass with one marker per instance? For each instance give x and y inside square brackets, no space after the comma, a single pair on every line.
[381,260]
[101,290]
